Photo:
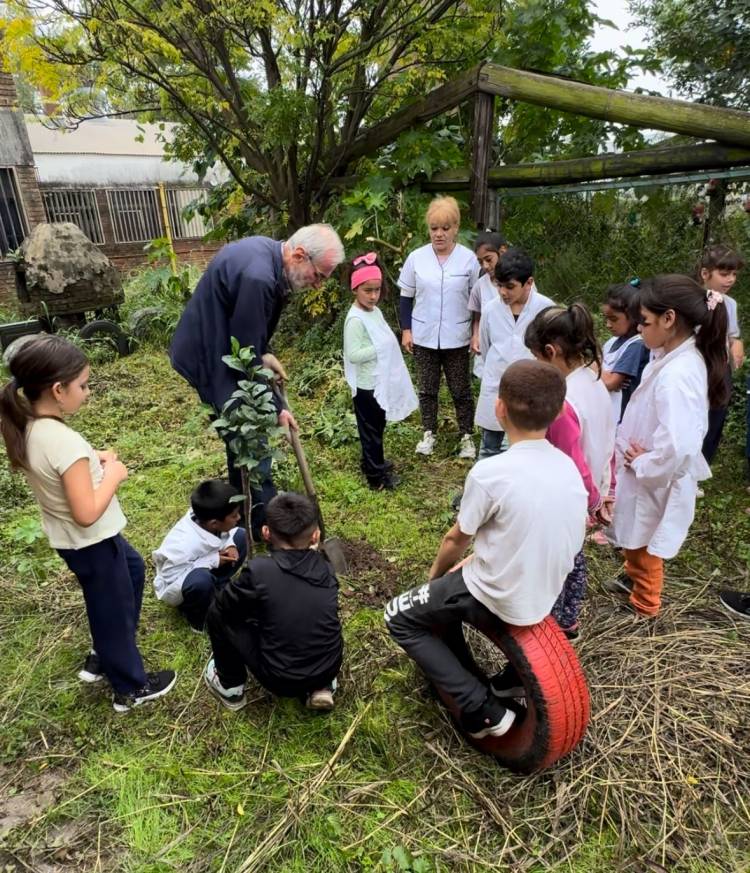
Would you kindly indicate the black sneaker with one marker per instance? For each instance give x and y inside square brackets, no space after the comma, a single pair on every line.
[92,669]
[492,720]
[621,584]
[456,501]
[507,683]
[736,602]
[387,466]
[389,482]
[157,685]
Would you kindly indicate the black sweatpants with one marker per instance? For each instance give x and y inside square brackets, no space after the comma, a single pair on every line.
[371,426]
[111,574]
[236,650]
[426,623]
[455,365]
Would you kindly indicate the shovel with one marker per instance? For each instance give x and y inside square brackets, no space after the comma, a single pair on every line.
[333,547]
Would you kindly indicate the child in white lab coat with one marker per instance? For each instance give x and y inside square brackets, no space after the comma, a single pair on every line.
[584,430]
[658,447]
[501,338]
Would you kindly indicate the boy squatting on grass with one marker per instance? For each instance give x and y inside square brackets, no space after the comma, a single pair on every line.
[526,511]
[279,618]
[201,552]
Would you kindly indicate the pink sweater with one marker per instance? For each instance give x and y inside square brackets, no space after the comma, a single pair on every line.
[565,434]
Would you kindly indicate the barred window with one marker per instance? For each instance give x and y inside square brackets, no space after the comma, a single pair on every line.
[177,200]
[77,206]
[135,214]
[12,222]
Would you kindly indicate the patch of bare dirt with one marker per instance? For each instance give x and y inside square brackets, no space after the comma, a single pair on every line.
[372,579]
[21,803]
[59,848]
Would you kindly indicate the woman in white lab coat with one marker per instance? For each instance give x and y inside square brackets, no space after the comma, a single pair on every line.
[435,283]
[658,448]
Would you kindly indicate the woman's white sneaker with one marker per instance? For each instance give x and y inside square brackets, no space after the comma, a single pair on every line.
[468,449]
[426,446]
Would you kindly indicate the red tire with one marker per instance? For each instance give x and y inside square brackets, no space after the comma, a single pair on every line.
[556,714]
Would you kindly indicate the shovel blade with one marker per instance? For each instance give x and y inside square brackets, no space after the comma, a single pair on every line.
[333,549]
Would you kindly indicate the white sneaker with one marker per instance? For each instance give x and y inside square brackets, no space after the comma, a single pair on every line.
[426,445]
[468,449]
[232,698]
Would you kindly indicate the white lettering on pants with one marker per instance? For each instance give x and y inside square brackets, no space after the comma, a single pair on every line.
[406,601]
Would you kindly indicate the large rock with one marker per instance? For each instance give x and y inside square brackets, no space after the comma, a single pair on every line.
[61,259]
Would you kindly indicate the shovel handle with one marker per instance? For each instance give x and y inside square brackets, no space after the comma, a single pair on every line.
[304,468]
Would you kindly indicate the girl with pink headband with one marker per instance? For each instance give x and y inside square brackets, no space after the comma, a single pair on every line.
[375,371]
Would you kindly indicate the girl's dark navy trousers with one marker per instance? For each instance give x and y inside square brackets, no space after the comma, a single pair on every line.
[111,575]
[371,426]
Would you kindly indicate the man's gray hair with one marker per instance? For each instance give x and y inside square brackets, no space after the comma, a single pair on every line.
[320,241]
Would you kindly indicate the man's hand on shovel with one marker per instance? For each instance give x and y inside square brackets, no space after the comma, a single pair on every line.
[271,362]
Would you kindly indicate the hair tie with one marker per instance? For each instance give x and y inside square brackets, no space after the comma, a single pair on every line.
[713,298]
[635,282]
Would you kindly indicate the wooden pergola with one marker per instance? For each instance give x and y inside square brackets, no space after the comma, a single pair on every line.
[728,128]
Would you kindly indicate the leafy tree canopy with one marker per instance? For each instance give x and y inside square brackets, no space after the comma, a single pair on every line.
[702,45]
[277,90]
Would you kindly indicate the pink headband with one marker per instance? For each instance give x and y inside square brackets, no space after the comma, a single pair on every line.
[364,274]
[369,270]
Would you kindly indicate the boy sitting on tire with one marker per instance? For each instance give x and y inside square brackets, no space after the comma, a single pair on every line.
[525,510]
[279,618]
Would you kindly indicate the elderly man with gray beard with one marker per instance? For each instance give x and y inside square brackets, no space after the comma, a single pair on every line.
[242,294]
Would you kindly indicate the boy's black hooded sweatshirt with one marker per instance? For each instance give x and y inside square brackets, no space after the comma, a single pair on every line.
[290,601]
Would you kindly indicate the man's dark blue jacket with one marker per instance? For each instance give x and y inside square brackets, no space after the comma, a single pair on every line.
[241,294]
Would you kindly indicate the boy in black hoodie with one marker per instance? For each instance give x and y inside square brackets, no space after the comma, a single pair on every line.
[279,618]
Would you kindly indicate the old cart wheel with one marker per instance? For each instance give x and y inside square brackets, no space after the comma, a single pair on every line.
[102,328]
[556,714]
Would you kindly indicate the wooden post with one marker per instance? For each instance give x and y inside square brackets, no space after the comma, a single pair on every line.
[481,154]
[167,229]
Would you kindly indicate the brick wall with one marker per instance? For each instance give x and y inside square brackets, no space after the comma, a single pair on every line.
[7,91]
[8,298]
[28,187]
[127,258]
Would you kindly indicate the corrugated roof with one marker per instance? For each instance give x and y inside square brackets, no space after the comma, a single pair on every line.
[102,136]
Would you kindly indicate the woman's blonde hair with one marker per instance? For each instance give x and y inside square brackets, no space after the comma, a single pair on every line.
[443,209]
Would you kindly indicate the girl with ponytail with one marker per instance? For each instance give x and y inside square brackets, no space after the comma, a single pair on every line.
[75,487]
[658,451]
[585,429]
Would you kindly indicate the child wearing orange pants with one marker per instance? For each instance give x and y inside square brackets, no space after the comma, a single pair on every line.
[658,446]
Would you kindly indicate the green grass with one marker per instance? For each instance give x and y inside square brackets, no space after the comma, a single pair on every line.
[185,785]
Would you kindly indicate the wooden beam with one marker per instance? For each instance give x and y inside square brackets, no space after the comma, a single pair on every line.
[680,116]
[481,155]
[635,163]
[434,103]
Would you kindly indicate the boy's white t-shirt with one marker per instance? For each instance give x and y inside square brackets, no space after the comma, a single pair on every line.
[526,509]
[51,448]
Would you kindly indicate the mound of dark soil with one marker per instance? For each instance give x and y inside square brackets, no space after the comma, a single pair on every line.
[372,578]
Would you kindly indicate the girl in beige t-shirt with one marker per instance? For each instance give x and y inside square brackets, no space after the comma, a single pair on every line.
[75,487]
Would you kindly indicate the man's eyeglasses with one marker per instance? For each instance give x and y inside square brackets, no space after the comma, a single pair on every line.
[319,277]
